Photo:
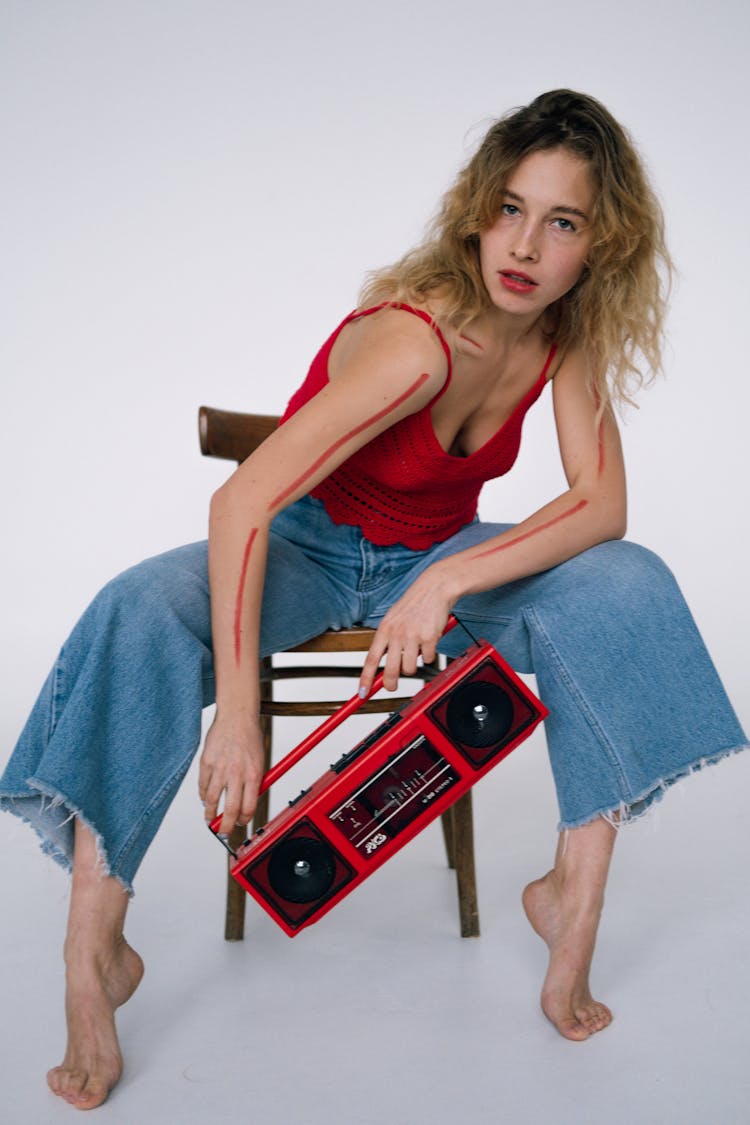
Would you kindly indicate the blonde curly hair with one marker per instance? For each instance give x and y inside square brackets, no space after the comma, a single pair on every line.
[616,310]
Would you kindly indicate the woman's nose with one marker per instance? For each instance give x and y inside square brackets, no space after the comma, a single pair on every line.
[526,248]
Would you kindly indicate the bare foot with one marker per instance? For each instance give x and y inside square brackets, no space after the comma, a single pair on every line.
[93,1063]
[569,929]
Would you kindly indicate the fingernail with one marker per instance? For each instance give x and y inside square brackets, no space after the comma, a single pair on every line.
[362,693]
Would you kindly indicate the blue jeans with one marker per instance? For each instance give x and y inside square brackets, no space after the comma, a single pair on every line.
[634,700]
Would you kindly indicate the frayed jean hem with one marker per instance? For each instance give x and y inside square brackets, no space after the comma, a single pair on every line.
[40,811]
[627,812]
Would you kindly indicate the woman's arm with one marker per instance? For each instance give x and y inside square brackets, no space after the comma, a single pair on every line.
[592,510]
[392,366]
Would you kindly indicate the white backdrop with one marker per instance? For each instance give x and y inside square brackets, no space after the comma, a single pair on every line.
[191,192]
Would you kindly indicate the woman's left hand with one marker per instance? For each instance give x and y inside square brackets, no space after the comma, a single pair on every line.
[411,628]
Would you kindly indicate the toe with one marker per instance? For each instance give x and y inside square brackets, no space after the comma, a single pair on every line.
[572,1028]
[92,1095]
[54,1079]
[566,1022]
[77,1087]
[80,1089]
[68,1083]
[594,1017]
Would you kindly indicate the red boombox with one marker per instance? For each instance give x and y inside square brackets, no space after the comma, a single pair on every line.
[379,795]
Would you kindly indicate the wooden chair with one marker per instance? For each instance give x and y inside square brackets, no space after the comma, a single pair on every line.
[233,437]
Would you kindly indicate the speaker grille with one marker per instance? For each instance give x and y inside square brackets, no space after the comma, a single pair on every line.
[484,714]
[479,714]
[297,873]
[301,869]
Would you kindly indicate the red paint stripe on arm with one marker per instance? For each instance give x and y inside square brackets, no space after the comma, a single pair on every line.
[535,531]
[241,594]
[599,433]
[347,437]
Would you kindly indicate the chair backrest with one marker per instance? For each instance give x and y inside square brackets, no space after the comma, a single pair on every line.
[231,436]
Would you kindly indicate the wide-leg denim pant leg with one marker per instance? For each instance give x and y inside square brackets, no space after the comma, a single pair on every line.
[118,721]
[634,699]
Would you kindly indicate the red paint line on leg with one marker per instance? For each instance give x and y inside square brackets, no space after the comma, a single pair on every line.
[347,437]
[241,594]
[535,531]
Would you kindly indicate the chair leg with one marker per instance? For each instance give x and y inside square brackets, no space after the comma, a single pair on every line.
[260,820]
[463,843]
[448,837]
[234,925]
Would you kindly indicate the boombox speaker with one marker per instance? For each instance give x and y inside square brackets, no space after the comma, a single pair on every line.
[385,790]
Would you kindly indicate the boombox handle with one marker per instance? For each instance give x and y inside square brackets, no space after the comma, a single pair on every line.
[325,728]
[328,725]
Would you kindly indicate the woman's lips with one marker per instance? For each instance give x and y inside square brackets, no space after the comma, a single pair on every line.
[516,282]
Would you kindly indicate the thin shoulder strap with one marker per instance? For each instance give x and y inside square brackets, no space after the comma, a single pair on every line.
[547,363]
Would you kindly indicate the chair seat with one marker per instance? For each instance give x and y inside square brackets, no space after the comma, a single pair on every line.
[356,639]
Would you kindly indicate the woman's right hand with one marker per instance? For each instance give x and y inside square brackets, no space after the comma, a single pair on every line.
[231,766]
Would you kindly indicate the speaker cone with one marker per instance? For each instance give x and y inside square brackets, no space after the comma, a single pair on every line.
[479,714]
[301,869]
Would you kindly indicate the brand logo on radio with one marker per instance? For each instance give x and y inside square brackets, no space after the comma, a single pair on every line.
[375,842]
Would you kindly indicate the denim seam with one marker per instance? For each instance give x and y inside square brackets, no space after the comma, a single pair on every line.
[57,691]
[532,618]
[367,583]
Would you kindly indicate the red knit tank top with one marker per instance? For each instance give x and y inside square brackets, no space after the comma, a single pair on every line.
[402,487]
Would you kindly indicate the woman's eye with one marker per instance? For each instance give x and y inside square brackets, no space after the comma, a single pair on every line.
[564,224]
[509,209]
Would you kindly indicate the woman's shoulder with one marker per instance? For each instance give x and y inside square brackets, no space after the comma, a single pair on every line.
[568,363]
[395,327]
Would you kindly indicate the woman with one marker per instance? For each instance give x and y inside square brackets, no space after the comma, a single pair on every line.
[542,266]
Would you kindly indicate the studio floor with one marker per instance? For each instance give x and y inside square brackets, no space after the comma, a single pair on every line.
[381,1012]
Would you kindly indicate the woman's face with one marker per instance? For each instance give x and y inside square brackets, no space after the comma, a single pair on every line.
[536,249]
